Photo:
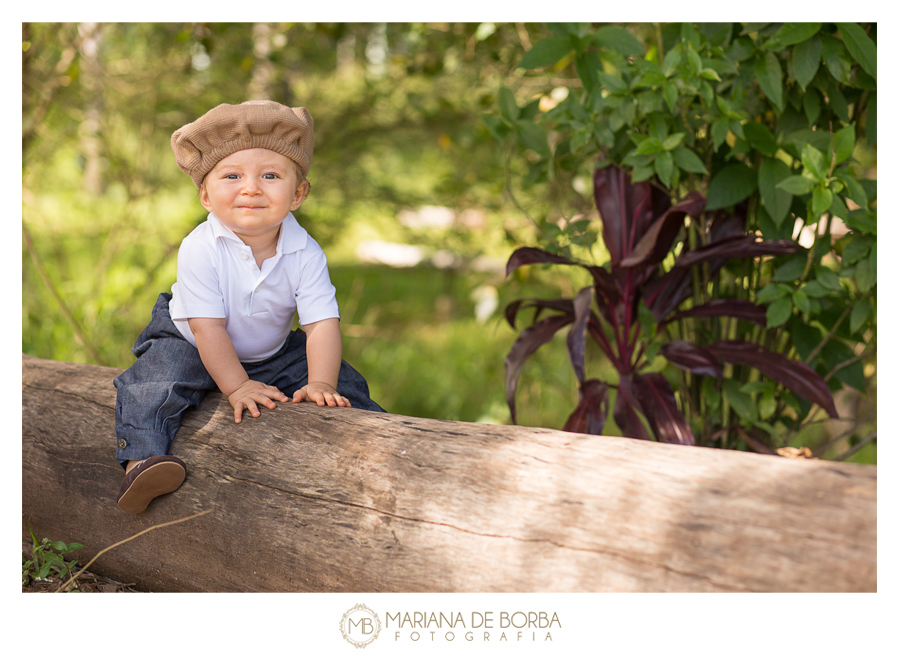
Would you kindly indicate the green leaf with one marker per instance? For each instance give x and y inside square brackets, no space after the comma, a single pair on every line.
[796,185]
[546,52]
[59,546]
[533,137]
[710,74]
[649,145]
[854,189]
[836,58]
[672,61]
[770,292]
[509,110]
[670,95]
[768,74]
[844,141]
[719,132]
[779,312]
[871,120]
[837,207]
[664,167]
[827,278]
[760,137]
[821,200]
[805,58]
[672,141]
[776,201]
[816,290]
[612,83]
[694,60]
[801,301]
[812,106]
[862,309]
[863,221]
[618,39]
[741,402]
[861,47]
[687,160]
[731,185]
[791,270]
[814,161]
[790,33]
[864,275]
[640,174]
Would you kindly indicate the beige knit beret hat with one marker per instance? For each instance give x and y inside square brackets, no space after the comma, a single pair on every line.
[227,128]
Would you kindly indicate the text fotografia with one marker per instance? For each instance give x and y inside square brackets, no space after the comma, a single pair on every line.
[479,626]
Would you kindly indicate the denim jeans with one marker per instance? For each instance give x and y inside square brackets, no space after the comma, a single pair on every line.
[169,378]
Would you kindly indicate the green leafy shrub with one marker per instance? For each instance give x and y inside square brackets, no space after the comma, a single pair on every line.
[774,124]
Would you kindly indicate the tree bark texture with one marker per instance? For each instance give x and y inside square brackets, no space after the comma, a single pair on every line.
[341,500]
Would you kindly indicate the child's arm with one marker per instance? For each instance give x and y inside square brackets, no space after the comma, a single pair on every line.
[221,360]
[323,356]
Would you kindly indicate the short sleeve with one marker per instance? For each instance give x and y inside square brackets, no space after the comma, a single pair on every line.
[197,292]
[315,295]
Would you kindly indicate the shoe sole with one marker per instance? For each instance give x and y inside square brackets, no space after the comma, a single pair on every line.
[157,480]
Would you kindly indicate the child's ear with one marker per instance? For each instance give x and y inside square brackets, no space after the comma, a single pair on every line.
[204,197]
[300,194]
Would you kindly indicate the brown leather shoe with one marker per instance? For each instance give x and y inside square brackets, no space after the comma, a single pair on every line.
[155,476]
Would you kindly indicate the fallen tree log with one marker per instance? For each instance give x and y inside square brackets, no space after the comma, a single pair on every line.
[323,499]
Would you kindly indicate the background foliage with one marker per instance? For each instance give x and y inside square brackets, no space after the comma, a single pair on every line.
[398,111]
[774,125]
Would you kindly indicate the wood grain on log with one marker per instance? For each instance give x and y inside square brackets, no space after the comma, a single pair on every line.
[343,500]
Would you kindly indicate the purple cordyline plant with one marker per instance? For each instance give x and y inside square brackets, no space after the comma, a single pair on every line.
[640,226]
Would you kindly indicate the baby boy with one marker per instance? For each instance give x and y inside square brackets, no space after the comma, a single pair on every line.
[242,276]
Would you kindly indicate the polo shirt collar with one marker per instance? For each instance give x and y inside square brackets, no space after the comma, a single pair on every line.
[293,237]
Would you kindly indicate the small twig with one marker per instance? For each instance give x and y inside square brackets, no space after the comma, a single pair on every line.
[850,361]
[859,446]
[818,348]
[119,543]
[856,425]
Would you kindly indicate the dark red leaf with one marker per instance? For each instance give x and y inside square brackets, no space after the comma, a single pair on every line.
[664,294]
[589,416]
[661,410]
[575,339]
[539,305]
[525,345]
[736,308]
[532,256]
[655,244]
[744,246]
[626,210]
[627,412]
[692,358]
[798,377]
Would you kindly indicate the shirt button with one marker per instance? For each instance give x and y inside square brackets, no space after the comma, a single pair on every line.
[122,443]
[244,255]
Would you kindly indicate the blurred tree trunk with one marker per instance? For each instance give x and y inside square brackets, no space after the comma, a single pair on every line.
[261,82]
[91,80]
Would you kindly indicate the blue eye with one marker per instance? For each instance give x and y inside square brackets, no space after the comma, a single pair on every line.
[267,176]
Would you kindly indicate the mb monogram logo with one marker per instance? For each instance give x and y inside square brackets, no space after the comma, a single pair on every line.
[360,626]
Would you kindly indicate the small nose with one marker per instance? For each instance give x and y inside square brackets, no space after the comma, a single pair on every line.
[251,186]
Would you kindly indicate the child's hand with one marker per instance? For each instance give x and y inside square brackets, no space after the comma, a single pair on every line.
[251,393]
[322,394]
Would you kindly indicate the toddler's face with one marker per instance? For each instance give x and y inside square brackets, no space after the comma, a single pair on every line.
[251,191]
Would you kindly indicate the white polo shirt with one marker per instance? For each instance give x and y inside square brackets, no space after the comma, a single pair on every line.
[217,277]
